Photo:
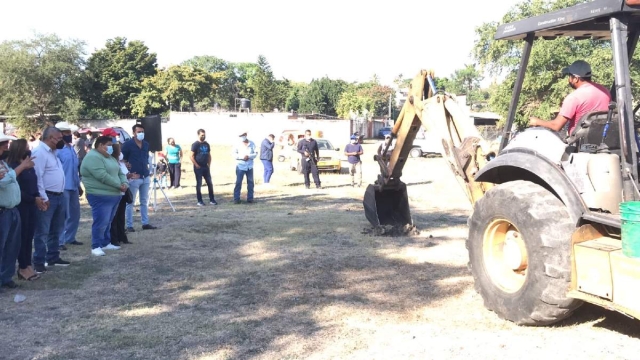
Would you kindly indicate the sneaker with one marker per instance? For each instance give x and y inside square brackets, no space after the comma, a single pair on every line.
[213,202]
[59,262]
[130,230]
[62,248]
[148,227]
[111,247]
[39,268]
[97,252]
[200,204]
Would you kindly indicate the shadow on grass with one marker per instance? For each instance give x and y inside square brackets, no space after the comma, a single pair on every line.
[236,281]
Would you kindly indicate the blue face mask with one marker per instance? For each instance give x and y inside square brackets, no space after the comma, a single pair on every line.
[110,150]
[243,138]
[140,136]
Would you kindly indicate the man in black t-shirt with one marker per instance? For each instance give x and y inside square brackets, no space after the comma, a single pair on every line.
[308,149]
[201,159]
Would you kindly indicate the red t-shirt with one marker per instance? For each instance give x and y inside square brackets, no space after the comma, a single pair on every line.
[588,97]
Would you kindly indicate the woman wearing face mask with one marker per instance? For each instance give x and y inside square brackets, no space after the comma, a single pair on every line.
[104,184]
[29,202]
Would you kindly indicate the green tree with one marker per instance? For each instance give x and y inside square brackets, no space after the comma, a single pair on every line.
[544,86]
[224,76]
[115,75]
[322,96]
[38,77]
[366,100]
[178,87]
[296,92]
[265,95]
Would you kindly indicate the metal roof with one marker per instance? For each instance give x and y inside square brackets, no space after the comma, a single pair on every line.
[587,20]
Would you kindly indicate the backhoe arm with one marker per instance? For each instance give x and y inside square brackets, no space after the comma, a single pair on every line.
[386,202]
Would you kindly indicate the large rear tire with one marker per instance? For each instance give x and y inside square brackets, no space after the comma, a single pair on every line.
[520,253]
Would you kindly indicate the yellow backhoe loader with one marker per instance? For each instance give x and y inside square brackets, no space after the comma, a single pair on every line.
[555,221]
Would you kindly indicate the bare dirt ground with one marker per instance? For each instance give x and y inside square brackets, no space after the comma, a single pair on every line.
[294,276]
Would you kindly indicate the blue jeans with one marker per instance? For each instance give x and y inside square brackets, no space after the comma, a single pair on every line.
[49,230]
[141,186]
[239,176]
[9,243]
[103,209]
[268,170]
[72,198]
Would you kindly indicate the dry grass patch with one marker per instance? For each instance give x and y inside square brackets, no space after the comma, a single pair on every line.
[289,277]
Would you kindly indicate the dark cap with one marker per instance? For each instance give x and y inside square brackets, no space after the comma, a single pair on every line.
[579,68]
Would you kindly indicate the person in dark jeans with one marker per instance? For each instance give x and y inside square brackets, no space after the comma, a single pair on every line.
[29,197]
[201,159]
[174,156]
[118,225]
[308,149]
[266,155]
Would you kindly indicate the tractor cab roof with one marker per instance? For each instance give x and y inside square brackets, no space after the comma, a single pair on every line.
[583,21]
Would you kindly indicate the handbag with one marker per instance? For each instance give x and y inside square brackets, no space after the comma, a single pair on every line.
[128,196]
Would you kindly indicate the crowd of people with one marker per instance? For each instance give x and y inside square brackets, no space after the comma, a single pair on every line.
[43,178]
[41,182]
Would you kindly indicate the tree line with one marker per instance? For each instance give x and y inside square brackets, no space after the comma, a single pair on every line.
[47,77]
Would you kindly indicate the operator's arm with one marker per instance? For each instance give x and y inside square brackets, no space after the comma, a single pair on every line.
[209,158]
[179,153]
[555,124]
[360,150]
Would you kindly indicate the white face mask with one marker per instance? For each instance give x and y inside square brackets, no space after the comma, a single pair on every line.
[243,138]
[308,137]
[140,136]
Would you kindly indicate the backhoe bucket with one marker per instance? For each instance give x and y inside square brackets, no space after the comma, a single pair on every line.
[387,206]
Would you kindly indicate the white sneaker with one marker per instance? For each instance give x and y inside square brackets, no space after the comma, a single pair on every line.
[111,247]
[97,252]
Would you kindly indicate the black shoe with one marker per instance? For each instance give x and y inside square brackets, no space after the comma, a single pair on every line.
[249,201]
[148,227]
[62,248]
[236,201]
[10,285]
[318,187]
[39,268]
[59,262]
[308,187]
[75,242]
[130,230]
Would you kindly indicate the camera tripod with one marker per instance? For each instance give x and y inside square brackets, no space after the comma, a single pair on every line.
[155,186]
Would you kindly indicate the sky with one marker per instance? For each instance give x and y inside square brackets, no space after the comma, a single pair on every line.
[350,39]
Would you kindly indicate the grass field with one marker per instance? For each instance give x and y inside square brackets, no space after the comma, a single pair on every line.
[294,276]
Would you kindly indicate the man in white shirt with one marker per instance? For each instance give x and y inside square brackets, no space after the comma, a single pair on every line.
[50,219]
[244,153]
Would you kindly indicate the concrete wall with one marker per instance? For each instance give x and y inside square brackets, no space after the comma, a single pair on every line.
[223,128]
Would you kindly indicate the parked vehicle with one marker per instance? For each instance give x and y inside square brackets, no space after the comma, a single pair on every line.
[382,132]
[329,159]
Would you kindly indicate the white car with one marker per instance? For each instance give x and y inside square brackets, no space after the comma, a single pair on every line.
[425,144]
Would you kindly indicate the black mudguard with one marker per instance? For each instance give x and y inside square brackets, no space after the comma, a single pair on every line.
[525,164]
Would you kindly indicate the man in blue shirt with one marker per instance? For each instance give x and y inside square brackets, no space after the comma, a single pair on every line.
[266,155]
[353,151]
[244,153]
[135,152]
[72,189]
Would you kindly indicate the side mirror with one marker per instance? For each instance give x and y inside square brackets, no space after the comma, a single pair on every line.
[338,149]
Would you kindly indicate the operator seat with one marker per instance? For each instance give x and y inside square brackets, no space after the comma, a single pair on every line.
[587,135]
